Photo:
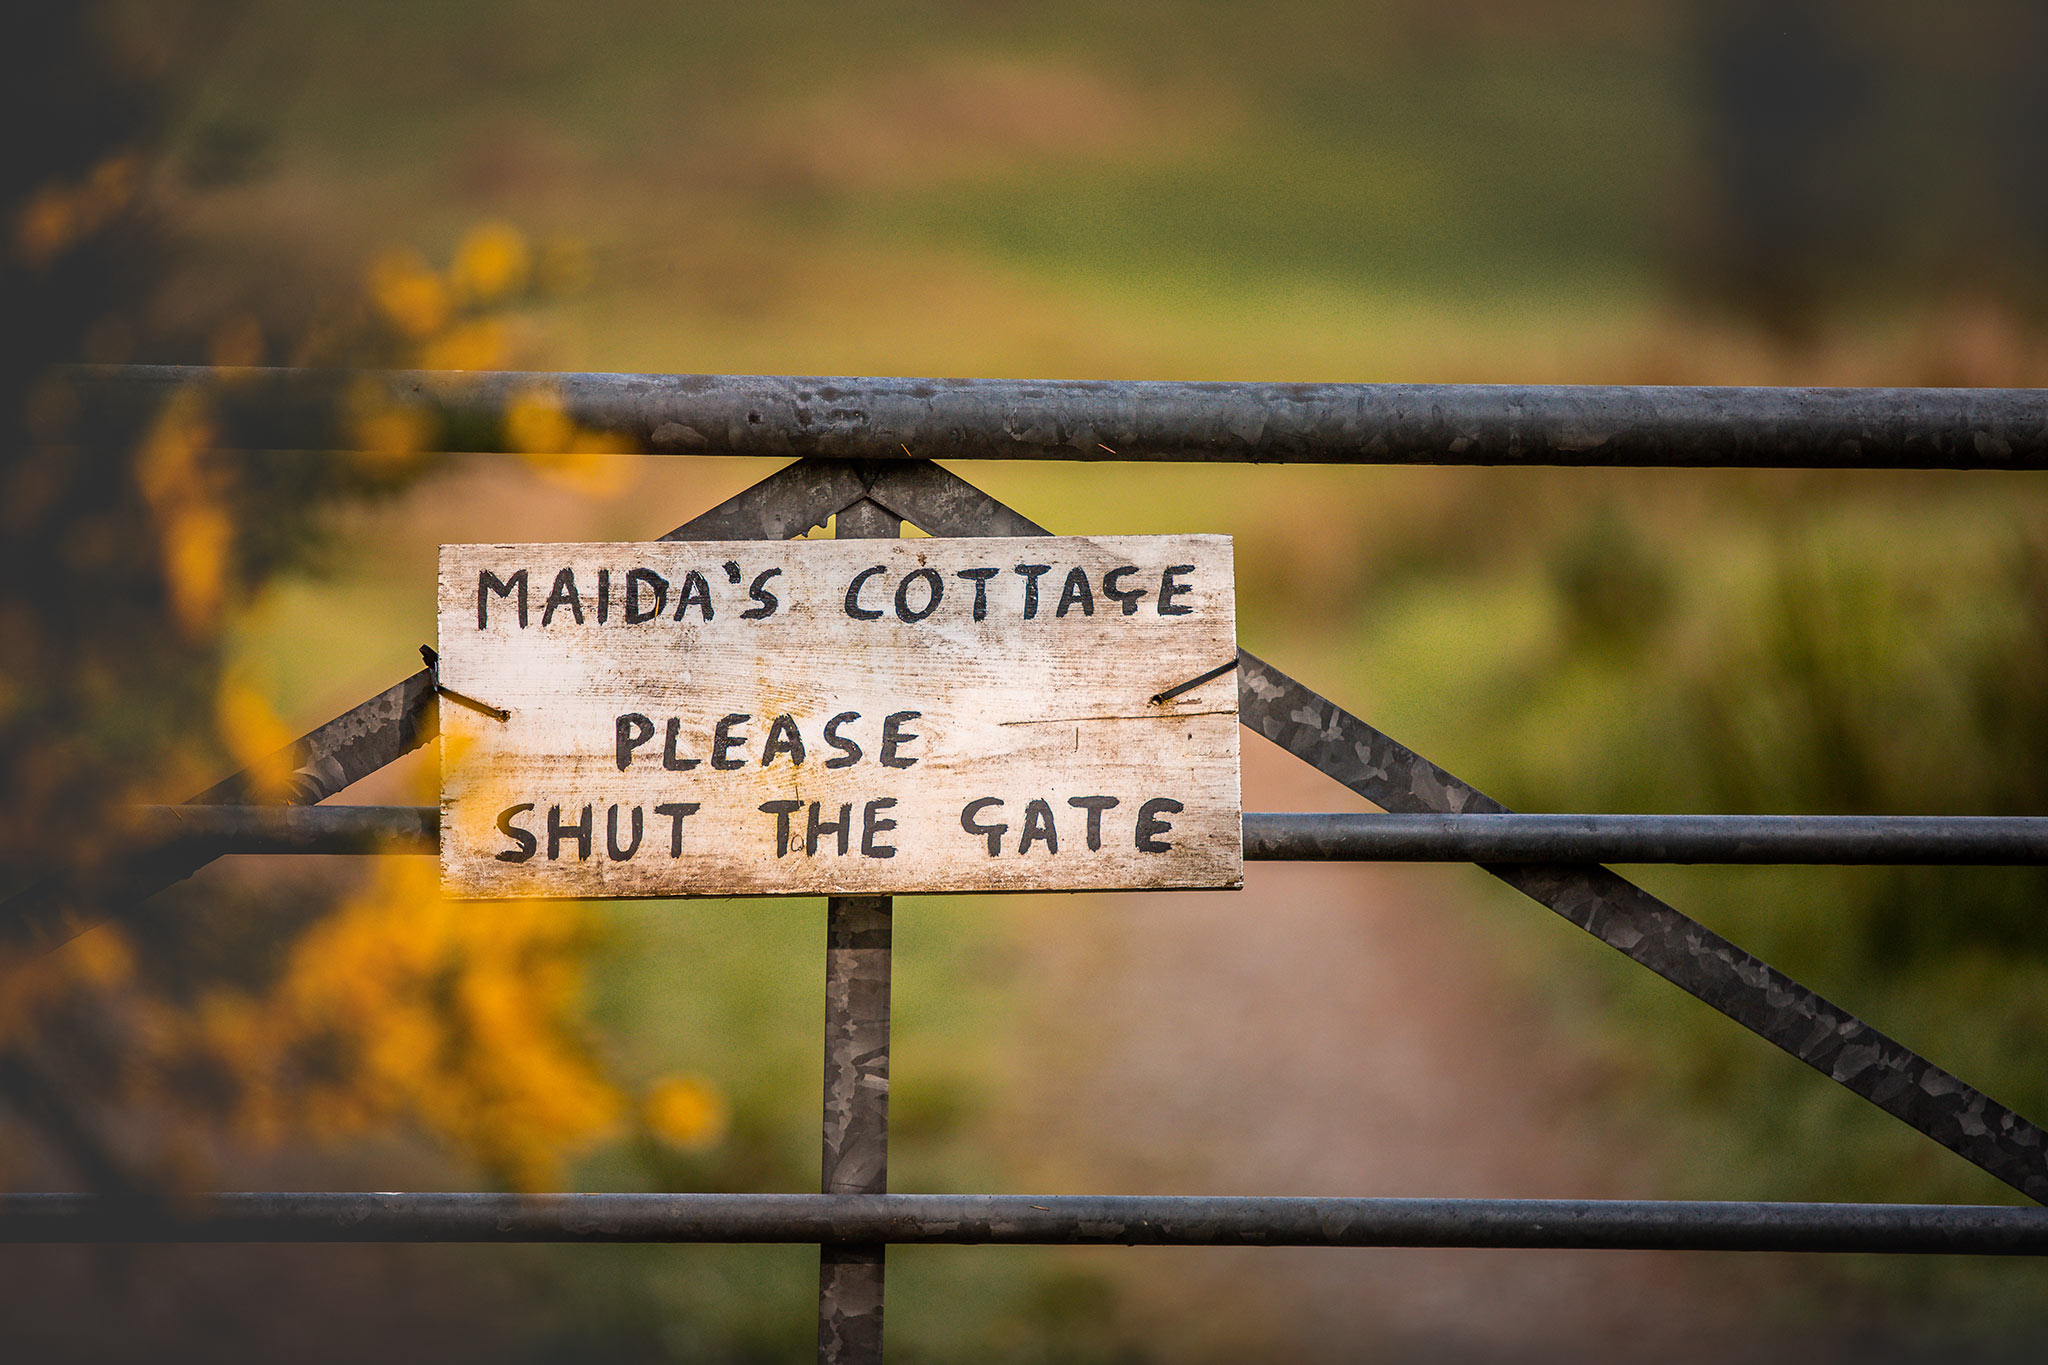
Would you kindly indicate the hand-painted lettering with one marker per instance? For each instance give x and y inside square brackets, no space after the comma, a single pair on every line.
[563,594]
[934,593]
[1150,826]
[695,593]
[648,579]
[853,606]
[1169,590]
[611,835]
[524,844]
[488,583]
[849,752]
[724,741]
[872,824]
[630,732]
[894,736]
[580,832]
[677,812]
[765,602]
[979,578]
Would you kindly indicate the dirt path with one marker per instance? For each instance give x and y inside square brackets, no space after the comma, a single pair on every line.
[1344,1031]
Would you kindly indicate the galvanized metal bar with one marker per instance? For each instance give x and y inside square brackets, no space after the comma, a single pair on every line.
[851,1274]
[783,506]
[1895,840]
[1003,419]
[219,831]
[941,503]
[983,1219]
[1617,912]
[1291,836]
[855,1160]
[345,750]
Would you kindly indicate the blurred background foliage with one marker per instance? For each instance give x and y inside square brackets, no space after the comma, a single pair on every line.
[1567,191]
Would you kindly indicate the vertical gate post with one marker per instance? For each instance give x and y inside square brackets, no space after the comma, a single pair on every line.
[856,1129]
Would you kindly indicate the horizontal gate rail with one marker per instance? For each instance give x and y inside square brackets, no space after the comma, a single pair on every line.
[1004,419]
[979,1219]
[1780,839]
[1275,837]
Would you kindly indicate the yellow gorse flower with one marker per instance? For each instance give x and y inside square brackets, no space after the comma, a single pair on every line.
[686,1112]
[187,494]
[406,1005]
[255,737]
[491,264]
[408,294]
[56,216]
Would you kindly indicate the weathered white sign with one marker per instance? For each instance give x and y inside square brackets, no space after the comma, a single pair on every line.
[856,716]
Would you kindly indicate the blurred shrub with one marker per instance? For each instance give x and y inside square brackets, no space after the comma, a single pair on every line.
[1612,590]
[1869,659]
[1858,690]
[146,1051]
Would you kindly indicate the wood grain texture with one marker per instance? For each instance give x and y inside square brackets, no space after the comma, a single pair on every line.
[675,663]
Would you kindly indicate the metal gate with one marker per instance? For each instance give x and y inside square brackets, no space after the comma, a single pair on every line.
[863,452]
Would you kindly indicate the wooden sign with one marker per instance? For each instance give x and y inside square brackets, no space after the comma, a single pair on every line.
[857,716]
